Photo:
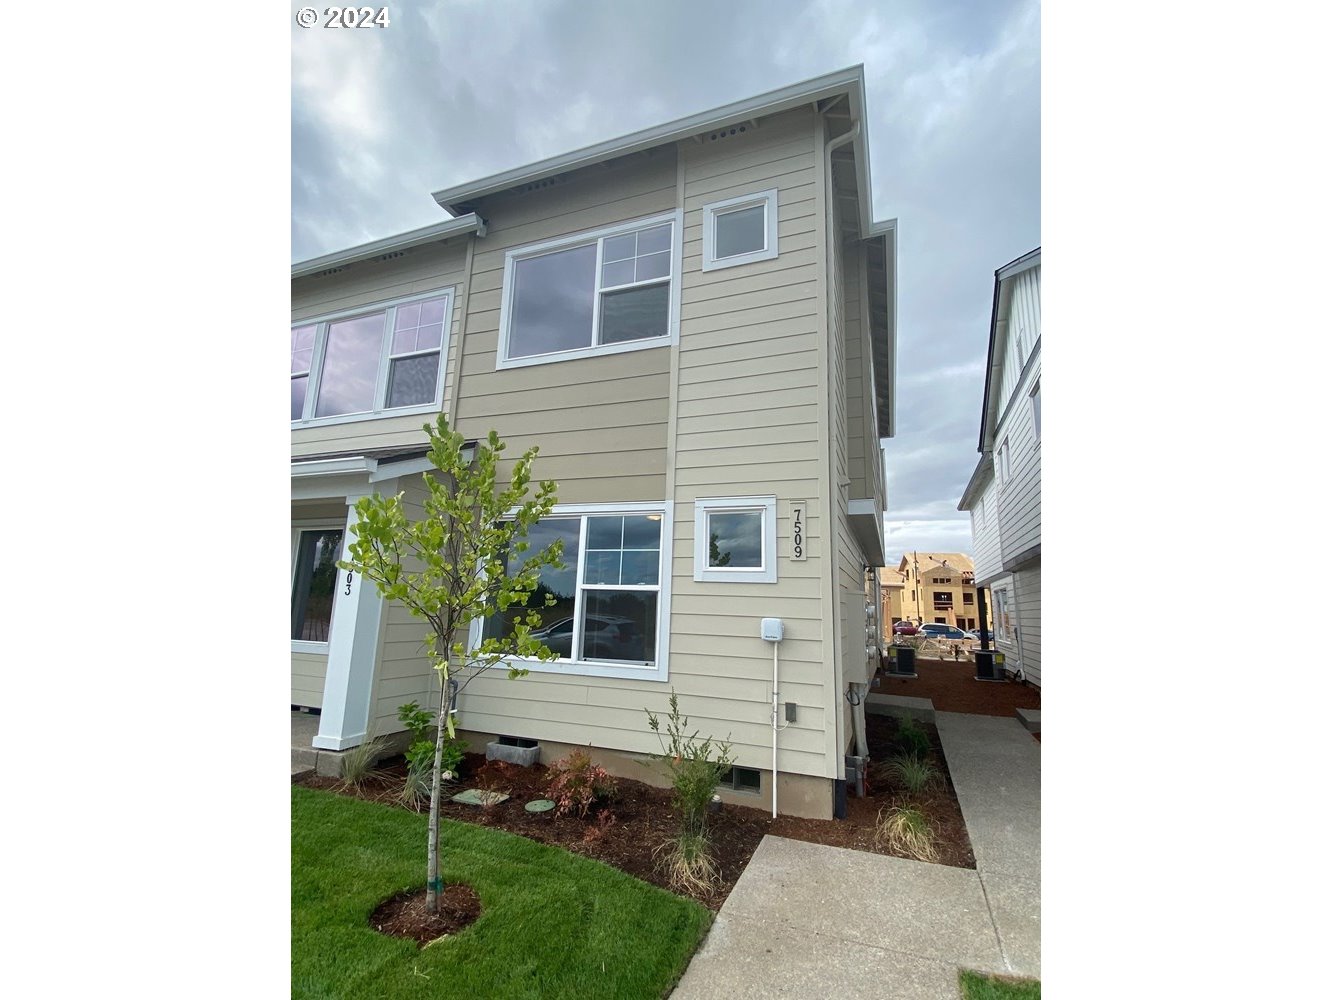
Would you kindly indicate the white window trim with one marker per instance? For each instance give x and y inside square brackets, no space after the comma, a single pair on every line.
[379,411]
[593,668]
[769,199]
[322,524]
[1002,459]
[502,359]
[766,573]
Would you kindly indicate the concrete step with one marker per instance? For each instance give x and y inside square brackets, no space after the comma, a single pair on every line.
[921,709]
[1030,718]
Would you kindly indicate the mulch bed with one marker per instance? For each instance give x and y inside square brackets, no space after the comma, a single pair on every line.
[405,914]
[624,832]
[951,688]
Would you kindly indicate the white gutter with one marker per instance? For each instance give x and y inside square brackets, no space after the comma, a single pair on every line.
[469,223]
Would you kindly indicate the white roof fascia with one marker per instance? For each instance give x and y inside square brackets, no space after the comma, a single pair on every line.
[332,466]
[402,241]
[850,81]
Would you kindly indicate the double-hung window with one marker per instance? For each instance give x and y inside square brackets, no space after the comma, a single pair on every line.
[603,292]
[608,594]
[379,361]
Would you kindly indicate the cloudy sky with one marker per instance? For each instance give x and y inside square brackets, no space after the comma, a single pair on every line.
[457,89]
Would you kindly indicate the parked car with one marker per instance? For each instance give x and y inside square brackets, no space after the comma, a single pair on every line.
[938,630]
[904,628]
[603,637]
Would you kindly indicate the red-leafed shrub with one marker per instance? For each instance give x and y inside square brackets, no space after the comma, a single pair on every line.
[577,783]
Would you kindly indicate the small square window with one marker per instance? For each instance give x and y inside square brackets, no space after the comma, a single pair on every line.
[736,539]
[740,230]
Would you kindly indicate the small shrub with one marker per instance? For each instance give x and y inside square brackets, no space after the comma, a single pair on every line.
[576,783]
[912,773]
[688,866]
[911,738]
[695,768]
[358,764]
[904,828]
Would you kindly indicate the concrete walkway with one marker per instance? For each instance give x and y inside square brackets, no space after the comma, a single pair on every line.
[810,920]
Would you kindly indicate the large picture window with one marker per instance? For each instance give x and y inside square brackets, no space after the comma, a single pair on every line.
[607,595]
[602,292]
[314,582]
[371,362]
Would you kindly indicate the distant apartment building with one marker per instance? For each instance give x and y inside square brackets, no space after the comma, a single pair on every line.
[930,587]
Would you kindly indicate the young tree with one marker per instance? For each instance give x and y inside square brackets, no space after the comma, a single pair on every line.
[466,558]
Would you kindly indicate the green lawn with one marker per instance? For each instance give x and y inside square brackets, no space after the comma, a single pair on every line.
[552,924]
[981,987]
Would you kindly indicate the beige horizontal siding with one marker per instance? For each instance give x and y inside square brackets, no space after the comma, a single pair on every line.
[308,670]
[600,423]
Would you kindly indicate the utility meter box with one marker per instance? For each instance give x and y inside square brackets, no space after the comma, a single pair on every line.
[771,629]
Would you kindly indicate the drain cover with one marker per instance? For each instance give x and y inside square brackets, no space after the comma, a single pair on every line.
[539,806]
[479,797]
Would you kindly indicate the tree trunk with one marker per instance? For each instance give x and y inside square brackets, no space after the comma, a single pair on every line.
[434,885]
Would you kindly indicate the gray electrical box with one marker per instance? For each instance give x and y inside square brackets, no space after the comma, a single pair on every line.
[770,629]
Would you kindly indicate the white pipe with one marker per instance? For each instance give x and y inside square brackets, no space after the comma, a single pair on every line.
[775,730]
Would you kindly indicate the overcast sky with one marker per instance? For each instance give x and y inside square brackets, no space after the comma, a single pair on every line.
[457,89]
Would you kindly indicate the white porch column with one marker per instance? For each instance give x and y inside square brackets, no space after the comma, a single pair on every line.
[353,637]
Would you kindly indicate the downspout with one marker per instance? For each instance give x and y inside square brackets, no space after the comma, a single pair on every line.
[835,493]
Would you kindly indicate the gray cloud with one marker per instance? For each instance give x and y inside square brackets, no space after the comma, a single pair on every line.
[452,91]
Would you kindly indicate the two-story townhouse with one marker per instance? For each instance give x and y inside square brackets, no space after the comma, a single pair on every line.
[696,325]
[1004,492]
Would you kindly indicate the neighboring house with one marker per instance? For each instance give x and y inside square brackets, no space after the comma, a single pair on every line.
[891,586]
[1004,493]
[935,587]
[696,324]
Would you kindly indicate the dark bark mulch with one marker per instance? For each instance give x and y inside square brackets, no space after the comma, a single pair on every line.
[405,915]
[951,687]
[625,832]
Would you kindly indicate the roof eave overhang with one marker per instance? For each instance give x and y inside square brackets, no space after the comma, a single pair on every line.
[994,358]
[981,476]
[868,529]
[436,233]
[850,81]
[882,275]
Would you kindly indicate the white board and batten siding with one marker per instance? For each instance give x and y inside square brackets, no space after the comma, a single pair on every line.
[1012,522]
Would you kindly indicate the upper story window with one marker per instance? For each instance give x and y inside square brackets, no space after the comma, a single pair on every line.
[740,230]
[371,362]
[1002,463]
[612,290]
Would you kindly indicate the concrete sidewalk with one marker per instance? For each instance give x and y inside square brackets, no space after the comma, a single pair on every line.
[810,920]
